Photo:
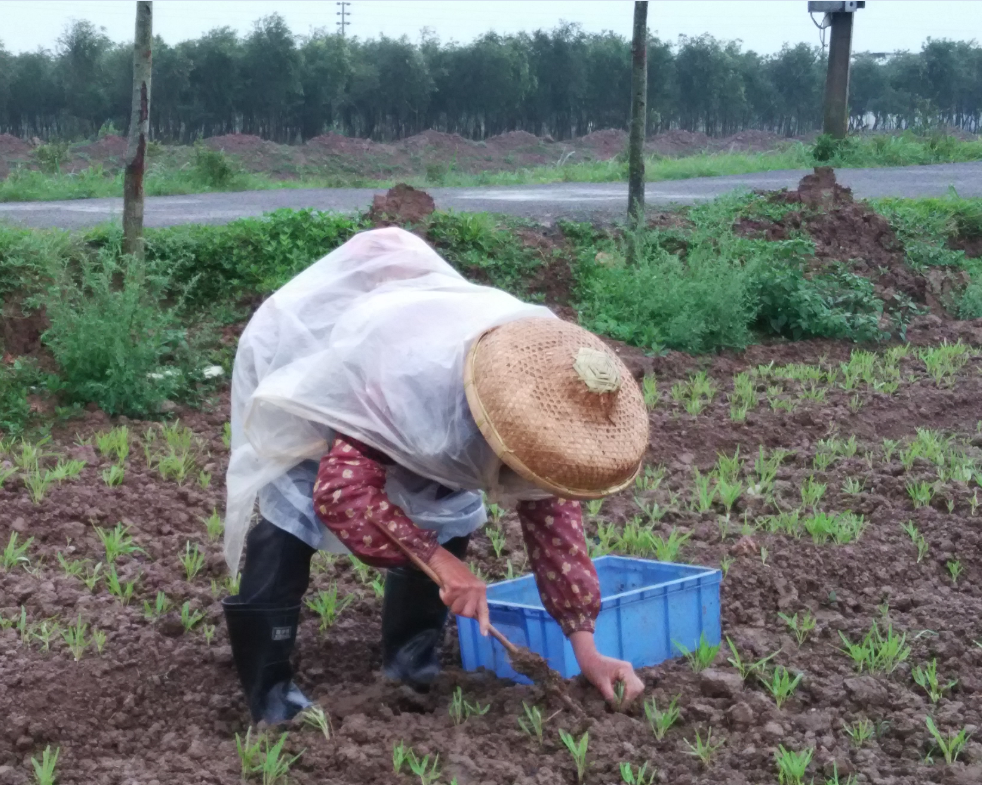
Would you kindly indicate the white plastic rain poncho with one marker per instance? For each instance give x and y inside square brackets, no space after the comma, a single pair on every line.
[369,341]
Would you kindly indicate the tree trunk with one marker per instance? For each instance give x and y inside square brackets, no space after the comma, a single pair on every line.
[639,92]
[136,148]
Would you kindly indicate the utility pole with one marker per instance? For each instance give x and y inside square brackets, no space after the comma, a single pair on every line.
[344,14]
[836,109]
[136,146]
[639,93]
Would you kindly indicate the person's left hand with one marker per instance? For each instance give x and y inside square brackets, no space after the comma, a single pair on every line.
[604,672]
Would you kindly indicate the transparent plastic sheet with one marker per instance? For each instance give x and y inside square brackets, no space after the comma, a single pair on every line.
[370,341]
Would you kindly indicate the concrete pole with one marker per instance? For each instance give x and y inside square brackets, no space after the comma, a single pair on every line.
[836,115]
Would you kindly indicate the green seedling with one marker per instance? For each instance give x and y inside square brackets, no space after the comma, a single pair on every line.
[327,606]
[840,527]
[890,447]
[362,571]
[763,555]
[725,563]
[668,550]
[6,472]
[204,479]
[917,538]
[14,554]
[378,586]
[99,640]
[532,722]
[208,630]
[639,776]
[593,507]
[799,628]
[44,769]
[315,717]
[427,771]
[114,475]
[461,709]
[66,470]
[654,512]
[161,605]
[860,732]
[649,389]
[704,491]
[23,629]
[920,493]
[92,576]
[765,468]
[117,542]
[121,590]
[215,526]
[75,638]
[745,669]
[955,569]
[44,632]
[834,779]
[951,746]
[495,513]
[322,561]
[497,538]
[577,749]
[791,766]
[702,656]
[853,486]
[400,756]
[260,758]
[73,568]
[193,561]
[704,750]
[812,491]
[780,685]
[189,618]
[661,720]
[650,479]
[37,483]
[729,492]
[876,653]
[926,677]
[227,435]
[114,444]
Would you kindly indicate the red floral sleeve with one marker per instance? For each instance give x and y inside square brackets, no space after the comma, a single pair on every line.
[349,497]
[567,580]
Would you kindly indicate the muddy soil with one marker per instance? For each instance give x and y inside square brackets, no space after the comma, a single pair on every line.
[162,706]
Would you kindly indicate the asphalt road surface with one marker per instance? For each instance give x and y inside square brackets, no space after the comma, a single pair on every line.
[544,203]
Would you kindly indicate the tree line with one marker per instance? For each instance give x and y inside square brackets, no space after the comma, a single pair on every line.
[563,82]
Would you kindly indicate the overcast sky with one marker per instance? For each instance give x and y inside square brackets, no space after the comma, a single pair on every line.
[764,25]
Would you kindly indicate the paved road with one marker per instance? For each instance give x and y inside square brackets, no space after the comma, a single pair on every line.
[545,203]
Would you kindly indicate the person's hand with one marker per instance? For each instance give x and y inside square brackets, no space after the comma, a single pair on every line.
[604,672]
[462,591]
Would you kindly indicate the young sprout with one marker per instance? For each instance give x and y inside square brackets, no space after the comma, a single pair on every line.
[926,677]
[14,554]
[122,591]
[876,653]
[327,606]
[401,754]
[189,618]
[920,493]
[461,709]
[227,435]
[259,758]
[161,605]
[791,766]
[702,749]
[649,389]
[781,686]
[75,638]
[117,542]
[577,749]
[193,560]
[955,569]
[99,639]
[702,656]
[639,776]
[763,555]
[208,631]
[661,720]
[114,475]
[853,486]
[725,563]
[745,669]
[532,723]
[74,568]
[204,479]
[860,732]
[917,538]
[497,538]
[799,628]
[495,512]
[812,491]
[378,587]
[951,746]
[114,444]
[704,492]
[593,507]
[91,577]
[44,770]
[668,550]
[427,772]
[215,526]
[316,717]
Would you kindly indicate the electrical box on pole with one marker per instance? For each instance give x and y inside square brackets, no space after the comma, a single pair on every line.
[836,109]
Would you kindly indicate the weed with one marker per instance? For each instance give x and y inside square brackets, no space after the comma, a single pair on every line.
[747,669]
[117,542]
[74,568]
[668,550]
[189,618]
[780,685]
[926,677]
[122,591]
[400,755]
[841,527]
[920,493]
[114,475]
[703,749]
[853,486]
[955,569]
[532,722]
[812,491]
[193,561]
[14,554]
[702,656]
[91,577]
[75,638]
[876,653]
[704,491]
[44,770]
[114,444]
[951,746]
[428,772]
[214,525]
[327,606]
[917,538]
[259,758]
[791,766]
[44,632]
[99,639]
[161,605]
[860,732]
[497,538]
[316,717]
[799,628]
[649,389]
[661,720]
[577,749]
[461,709]
[639,776]
[650,478]
[593,507]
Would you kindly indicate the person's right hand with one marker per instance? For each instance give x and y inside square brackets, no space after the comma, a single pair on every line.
[463,592]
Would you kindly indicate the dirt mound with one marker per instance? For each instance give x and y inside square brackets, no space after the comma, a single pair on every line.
[236,143]
[109,146]
[678,142]
[606,143]
[401,204]
[513,140]
[436,139]
[336,144]
[20,333]
[11,146]
[750,141]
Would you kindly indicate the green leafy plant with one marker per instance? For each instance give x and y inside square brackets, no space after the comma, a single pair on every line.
[661,720]
[860,732]
[259,758]
[703,749]
[920,493]
[75,638]
[791,766]
[428,771]
[638,776]
[926,677]
[315,717]
[462,709]
[917,538]
[578,750]
[746,669]
[193,561]
[799,628]
[497,538]
[649,389]
[532,723]
[190,619]
[702,656]
[117,542]
[668,550]
[121,590]
[877,653]
[114,444]
[214,525]
[400,755]
[44,769]
[812,491]
[951,746]
[114,475]
[781,685]
[14,554]
[161,605]
[328,606]
[91,577]
[955,570]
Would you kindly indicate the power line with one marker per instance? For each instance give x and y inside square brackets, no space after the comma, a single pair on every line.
[344,14]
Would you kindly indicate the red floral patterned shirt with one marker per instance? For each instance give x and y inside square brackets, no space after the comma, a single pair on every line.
[350,499]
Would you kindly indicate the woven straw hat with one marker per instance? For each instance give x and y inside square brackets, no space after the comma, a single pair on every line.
[558,407]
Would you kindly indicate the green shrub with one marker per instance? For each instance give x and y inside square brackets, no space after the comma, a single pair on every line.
[50,156]
[213,168]
[16,382]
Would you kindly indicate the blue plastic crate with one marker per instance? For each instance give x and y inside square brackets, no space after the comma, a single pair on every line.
[647,608]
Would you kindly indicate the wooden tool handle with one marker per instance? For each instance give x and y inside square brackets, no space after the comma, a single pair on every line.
[510,647]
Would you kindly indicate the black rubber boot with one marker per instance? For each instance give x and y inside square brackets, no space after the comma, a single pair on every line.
[262,638]
[413,618]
